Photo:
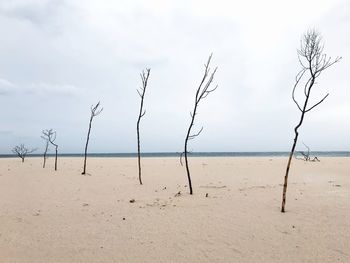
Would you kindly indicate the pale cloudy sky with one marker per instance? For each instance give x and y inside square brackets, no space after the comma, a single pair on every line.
[59,57]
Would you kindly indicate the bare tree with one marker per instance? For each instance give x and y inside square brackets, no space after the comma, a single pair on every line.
[94,112]
[50,135]
[141,92]
[46,149]
[313,62]
[202,92]
[22,151]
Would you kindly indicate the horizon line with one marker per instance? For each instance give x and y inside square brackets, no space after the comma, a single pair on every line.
[177,154]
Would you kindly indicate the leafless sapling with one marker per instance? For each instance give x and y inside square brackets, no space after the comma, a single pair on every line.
[46,149]
[51,137]
[202,92]
[95,110]
[313,62]
[22,151]
[141,92]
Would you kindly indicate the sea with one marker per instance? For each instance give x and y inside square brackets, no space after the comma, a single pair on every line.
[193,154]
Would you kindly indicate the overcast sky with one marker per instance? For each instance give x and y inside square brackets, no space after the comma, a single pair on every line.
[57,58]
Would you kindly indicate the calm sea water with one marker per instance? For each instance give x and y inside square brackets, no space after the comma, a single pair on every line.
[196,154]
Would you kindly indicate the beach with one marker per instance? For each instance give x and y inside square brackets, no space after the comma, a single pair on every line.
[233,216]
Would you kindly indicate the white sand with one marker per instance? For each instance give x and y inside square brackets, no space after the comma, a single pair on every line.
[63,216]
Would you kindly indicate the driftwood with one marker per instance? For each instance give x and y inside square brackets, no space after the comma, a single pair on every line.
[306,155]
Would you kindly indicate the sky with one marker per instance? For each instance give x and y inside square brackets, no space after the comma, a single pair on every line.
[57,58]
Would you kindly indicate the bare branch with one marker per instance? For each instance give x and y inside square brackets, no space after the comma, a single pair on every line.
[98,112]
[205,92]
[318,103]
[140,94]
[95,111]
[143,114]
[50,135]
[300,61]
[297,80]
[306,87]
[326,64]
[209,91]
[195,135]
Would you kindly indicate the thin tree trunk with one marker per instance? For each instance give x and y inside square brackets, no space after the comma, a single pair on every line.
[56,150]
[188,170]
[86,145]
[46,147]
[44,160]
[288,167]
[285,184]
[141,92]
[186,142]
[138,144]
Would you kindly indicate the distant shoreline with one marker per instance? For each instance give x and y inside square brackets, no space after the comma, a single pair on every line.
[195,154]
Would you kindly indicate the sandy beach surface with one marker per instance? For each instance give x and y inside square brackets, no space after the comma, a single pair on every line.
[63,216]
